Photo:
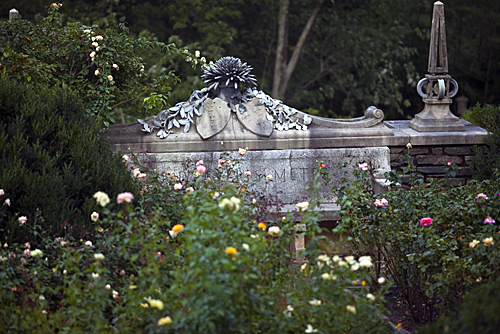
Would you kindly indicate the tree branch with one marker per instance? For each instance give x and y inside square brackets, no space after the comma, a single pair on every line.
[297,50]
[279,63]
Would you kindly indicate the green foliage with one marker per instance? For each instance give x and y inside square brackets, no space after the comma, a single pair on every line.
[103,67]
[433,266]
[358,53]
[218,272]
[487,117]
[477,314]
[52,161]
[486,159]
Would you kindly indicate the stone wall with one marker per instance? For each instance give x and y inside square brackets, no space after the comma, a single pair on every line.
[429,160]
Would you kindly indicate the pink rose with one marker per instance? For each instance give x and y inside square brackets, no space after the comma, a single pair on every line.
[363,166]
[426,221]
[201,169]
[124,197]
[482,195]
[381,202]
[489,220]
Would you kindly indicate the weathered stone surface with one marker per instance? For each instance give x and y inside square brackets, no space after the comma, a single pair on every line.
[406,178]
[417,151]
[437,160]
[215,117]
[291,169]
[461,171]
[437,150]
[464,171]
[430,170]
[403,134]
[468,159]
[457,181]
[395,150]
[395,156]
[404,160]
[125,136]
[458,150]
[452,181]
[436,117]
[254,119]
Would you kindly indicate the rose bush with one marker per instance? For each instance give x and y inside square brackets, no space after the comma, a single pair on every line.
[103,67]
[221,270]
[435,241]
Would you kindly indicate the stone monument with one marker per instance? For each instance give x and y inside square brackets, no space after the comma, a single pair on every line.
[438,87]
[279,139]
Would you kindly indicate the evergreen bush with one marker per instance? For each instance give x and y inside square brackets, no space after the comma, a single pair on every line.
[478,314]
[52,161]
[486,160]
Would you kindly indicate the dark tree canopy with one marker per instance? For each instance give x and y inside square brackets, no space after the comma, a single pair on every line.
[355,53]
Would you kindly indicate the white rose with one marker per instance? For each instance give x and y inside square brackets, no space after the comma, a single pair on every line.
[302,206]
[273,230]
[101,198]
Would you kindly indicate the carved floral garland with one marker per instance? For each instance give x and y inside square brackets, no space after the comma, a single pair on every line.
[182,113]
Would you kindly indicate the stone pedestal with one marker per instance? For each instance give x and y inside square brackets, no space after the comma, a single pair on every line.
[436,117]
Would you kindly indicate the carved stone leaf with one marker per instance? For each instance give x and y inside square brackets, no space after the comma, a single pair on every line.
[176,123]
[162,134]
[242,108]
[270,118]
[183,121]
[156,123]
[183,113]
[170,124]
[186,127]
[162,114]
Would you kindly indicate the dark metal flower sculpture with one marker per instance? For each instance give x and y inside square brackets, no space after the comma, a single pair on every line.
[227,74]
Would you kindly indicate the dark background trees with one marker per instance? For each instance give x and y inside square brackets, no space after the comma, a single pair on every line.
[355,53]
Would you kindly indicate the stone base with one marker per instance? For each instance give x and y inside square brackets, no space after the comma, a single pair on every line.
[290,169]
[436,117]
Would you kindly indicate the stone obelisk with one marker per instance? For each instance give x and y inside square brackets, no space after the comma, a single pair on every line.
[438,87]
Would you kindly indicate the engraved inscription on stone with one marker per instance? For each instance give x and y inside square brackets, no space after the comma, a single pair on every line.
[291,169]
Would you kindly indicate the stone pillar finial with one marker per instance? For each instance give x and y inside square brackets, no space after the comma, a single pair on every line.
[13,13]
[438,57]
[438,87]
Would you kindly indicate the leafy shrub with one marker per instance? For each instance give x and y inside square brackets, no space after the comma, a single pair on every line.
[219,272]
[102,66]
[52,161]
[486,160]
[477,314]
[435,241]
